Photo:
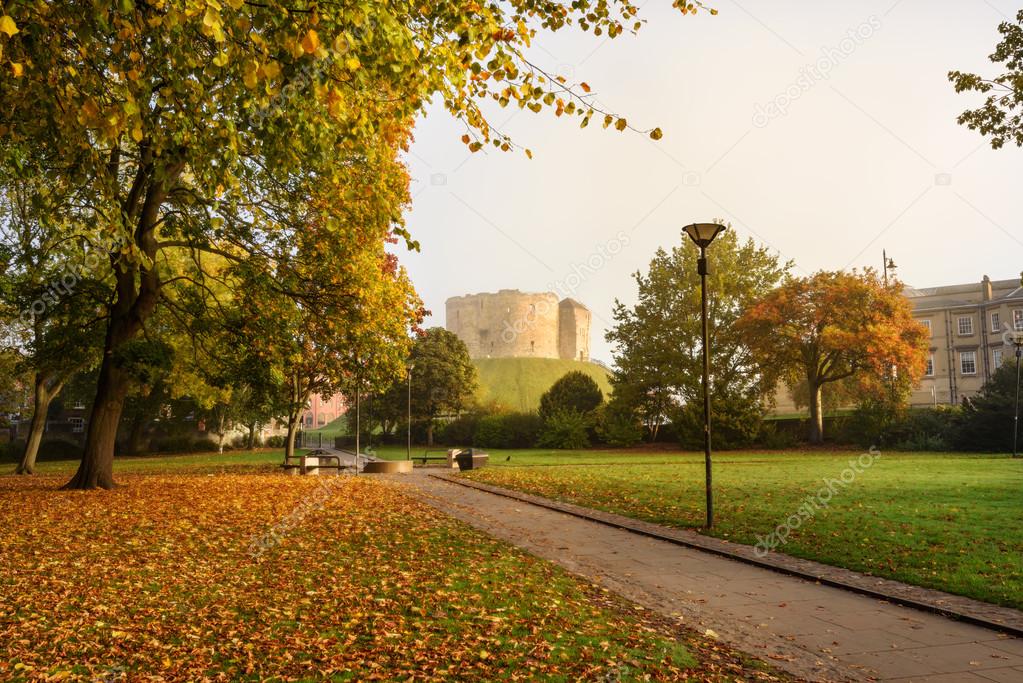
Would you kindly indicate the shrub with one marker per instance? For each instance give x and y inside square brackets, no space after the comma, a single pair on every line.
[59,449]
[458,432]
[275,441]
[877,423]
[775,437]
[574,392]
[618,425]
[735,422]
[986,422]
[566,429]
[508,430]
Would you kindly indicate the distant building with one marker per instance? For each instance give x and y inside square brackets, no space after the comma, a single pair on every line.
[514,324]
[323,411]
[967,324]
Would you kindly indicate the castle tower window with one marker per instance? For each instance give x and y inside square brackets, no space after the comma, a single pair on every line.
[532,347]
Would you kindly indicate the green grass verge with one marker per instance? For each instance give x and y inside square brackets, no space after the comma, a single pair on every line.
[950,522]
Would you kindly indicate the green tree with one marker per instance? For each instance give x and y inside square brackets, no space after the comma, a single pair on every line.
[833,326]
[53,293]
[196,127]
[444,379]
[574,392]
[657,342]
[1001,115]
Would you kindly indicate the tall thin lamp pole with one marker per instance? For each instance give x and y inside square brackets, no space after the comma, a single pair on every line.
[1018,342]
[358,426]
[408,450]
[703,234]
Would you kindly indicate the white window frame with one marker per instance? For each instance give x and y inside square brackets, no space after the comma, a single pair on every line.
[959,325]
[997,358]
[963,355]
[77,424]
[929,370]
[996,322]
[927,324]
[1017,319]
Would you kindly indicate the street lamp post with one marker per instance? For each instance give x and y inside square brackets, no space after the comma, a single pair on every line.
[408,451]
[889,266]
[358,426]
[703,234]
[1017,341]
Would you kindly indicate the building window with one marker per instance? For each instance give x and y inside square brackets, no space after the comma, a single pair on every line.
[321,419]
[996,323]
[927,324]
[79,404]
[996,358]
[930,367]
[1017,320]
[309,420]
[968,362]
[965,326]
[77,424]
[532,347]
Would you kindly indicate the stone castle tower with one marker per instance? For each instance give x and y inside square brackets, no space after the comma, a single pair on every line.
[514,324]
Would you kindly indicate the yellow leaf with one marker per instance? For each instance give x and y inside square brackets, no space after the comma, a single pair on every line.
[18,69]
[656,134]
[8,26]
[311,41]
[353,63]
[136,133]
[585,86]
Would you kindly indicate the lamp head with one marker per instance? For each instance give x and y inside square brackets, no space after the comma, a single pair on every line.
[703,233]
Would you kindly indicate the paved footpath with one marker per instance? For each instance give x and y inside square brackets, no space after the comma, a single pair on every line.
[813,631]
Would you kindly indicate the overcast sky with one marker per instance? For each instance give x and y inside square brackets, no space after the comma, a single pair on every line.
[823,130]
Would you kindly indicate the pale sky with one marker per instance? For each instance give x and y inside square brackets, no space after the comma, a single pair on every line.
[866,156]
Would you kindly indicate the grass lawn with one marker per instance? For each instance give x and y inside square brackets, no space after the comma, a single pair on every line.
[951,522]
[197,570]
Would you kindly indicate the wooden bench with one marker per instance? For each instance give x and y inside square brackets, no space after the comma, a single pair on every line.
[312,462]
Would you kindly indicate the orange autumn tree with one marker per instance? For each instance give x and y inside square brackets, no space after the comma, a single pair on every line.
[831,326]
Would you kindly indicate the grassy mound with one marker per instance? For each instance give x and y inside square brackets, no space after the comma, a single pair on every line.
[518,383]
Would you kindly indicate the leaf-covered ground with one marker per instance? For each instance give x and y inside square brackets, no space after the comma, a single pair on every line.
[266,577]
[950,522]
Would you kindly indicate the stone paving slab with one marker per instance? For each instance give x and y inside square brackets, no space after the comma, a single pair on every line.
[815,631]
[959,607]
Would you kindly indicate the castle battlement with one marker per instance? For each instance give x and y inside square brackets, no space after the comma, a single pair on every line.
[514,324]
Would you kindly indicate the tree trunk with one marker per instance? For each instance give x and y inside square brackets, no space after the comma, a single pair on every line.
[816,413]
[40,406]
[220,434]
[289,443]
[429,433]
[97,467]
[251,443]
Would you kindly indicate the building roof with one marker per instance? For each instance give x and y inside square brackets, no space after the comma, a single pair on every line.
[950,296]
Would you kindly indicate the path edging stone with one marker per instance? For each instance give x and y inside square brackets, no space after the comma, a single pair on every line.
[960,608]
